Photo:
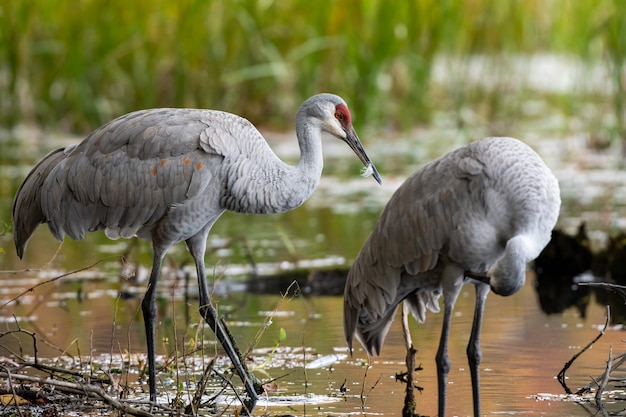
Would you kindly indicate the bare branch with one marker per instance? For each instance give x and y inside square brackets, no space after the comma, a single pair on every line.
[86,389]
[54,256]
[12,389]
[619,359]
[31,289]
[605,379]
[561,375]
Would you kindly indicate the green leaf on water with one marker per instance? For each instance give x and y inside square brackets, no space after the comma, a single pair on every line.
[282,335]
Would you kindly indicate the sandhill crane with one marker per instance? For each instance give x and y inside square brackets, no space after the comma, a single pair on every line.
[477,215]
[166,176]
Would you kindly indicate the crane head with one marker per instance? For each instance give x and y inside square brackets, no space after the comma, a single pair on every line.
[508,274]
[334,115]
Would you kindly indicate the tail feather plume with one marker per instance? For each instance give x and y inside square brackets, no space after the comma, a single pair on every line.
[27,209]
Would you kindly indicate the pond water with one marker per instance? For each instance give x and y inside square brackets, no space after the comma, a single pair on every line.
[523,349]
[95,314]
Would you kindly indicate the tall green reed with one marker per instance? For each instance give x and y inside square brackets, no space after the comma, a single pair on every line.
[71,66]
[612,33]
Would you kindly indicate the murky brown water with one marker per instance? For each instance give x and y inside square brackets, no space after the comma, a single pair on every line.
[523,349]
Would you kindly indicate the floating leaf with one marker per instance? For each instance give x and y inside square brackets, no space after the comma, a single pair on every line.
[9,399]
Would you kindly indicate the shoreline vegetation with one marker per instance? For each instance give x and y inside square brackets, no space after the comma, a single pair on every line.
[70,67]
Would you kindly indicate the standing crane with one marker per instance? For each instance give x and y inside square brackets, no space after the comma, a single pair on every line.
[166,176]
[476,215]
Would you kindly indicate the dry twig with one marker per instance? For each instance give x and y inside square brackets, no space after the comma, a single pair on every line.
[91,391]
[409,398]
[31,289]
[561,375]
[619,361]
[605,378]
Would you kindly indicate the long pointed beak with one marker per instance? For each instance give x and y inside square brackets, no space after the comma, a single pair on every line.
[478,277]
[352,139]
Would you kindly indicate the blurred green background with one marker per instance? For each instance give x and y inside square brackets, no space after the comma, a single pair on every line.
[70,66]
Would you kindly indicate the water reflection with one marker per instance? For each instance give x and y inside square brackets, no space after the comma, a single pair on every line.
[97,312]
[520,343]
[559,268]
[567,264]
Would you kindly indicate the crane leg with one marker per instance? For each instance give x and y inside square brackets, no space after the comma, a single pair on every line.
[474,354]
[451,288]
[209,313]
[149,310]
[443,361]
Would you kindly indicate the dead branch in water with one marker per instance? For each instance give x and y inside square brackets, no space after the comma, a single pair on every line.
[59,378]
[561,375]
[57,385]
[605,379]
[48,281]
[616,362]
[86,389]
[409,399]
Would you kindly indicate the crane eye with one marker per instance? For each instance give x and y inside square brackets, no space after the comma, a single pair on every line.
[343,114]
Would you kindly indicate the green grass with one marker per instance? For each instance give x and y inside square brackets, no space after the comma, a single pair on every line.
[73,65]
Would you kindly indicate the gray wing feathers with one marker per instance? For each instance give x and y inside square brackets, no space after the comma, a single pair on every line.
[122,177]
[407,239]
[461,209]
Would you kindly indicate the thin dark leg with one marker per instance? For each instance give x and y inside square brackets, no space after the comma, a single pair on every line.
[443,361]
[209,313]
[451,285]
[149,309]
[474,354]
[409,397]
